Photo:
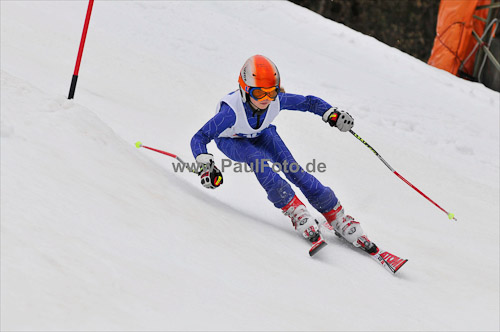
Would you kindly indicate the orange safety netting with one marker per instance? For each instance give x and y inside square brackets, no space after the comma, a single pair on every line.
[454,40]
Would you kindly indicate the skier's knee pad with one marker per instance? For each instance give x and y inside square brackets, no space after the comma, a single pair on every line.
[348,228]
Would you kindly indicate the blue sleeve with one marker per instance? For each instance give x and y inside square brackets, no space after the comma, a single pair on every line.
[224,119]
[311,104]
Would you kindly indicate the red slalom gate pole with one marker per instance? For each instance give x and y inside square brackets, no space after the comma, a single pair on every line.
[450,215]
[80,51]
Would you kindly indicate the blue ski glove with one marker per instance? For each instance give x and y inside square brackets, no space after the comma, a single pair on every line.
[211,176]
[338,118]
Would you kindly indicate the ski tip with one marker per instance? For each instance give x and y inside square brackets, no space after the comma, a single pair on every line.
[399,266]
[138,144]
[315,250]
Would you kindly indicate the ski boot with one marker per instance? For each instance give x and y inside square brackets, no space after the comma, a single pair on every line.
[346,227]
[304,223]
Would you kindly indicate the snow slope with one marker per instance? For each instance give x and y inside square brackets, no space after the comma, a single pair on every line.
[97,235]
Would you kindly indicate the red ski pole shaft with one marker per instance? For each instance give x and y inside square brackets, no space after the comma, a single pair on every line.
[160,151]
[450,215]
[140,145]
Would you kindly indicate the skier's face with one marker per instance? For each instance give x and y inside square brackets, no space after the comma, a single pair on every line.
[260,104]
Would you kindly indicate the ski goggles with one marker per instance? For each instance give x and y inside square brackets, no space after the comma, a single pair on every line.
[264,93]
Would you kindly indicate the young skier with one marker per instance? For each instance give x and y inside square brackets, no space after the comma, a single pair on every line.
[242,130]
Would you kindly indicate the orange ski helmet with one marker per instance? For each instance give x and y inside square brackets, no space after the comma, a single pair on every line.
[258,72]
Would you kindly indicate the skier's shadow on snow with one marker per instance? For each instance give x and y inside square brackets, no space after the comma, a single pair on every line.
[333,239]
[187,186]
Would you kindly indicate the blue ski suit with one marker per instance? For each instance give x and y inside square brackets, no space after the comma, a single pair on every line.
[267,144]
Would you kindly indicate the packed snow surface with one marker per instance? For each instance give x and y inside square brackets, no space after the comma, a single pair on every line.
[99,235]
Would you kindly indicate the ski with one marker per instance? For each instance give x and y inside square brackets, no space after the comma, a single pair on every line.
[389,261]
[317,246]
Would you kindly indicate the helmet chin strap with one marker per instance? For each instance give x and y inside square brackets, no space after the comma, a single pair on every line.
[254,108]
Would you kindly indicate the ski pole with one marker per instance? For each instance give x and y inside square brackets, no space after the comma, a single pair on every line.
[450,215]
[140,145]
